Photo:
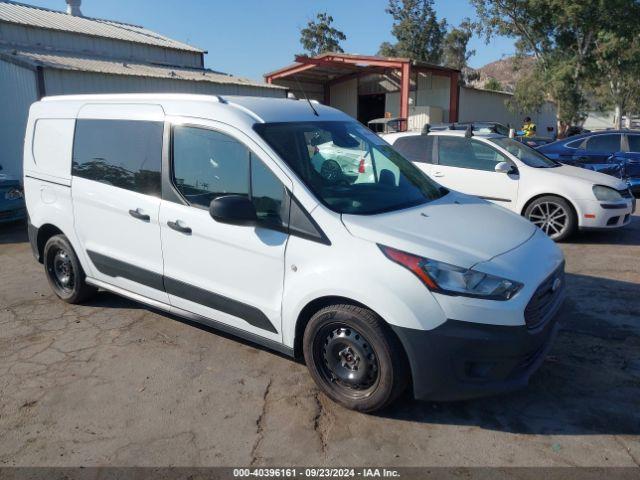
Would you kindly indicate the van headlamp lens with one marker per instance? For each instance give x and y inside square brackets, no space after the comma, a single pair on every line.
[449,279]
[606,194]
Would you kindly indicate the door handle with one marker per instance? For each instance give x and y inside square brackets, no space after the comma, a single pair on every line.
[137,213]
[438,174]
[178,227]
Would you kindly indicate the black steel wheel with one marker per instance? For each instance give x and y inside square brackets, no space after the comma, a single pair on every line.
[354,357]
[553,215]
[64,272]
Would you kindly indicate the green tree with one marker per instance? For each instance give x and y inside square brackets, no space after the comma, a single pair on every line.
[319,36]
[455,48]
[618,68]
[493,84]
[419,33]
[561,35]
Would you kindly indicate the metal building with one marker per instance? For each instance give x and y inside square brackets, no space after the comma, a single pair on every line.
[48,52]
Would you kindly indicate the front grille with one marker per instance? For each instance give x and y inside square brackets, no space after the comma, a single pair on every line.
[613,221]
[544,299]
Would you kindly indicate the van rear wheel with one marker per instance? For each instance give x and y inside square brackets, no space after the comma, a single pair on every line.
[354,358]
[64,272]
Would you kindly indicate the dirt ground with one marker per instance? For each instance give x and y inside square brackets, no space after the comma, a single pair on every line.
[114,383]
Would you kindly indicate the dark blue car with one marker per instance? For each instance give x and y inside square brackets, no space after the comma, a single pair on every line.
[614,152]
[11,199]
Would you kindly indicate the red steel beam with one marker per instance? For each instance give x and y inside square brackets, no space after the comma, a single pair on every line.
[405,86]
[454,97]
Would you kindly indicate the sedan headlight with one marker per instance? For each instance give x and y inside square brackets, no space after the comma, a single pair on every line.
[14,193]
[449,279]
[606,194]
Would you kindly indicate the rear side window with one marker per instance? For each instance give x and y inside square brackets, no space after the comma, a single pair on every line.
[634,143]
[418,148]
[123,153]
[604,143]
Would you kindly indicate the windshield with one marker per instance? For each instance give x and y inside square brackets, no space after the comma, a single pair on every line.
[348,167]
[525,153]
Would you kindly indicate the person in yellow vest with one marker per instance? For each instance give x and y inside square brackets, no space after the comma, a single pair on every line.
[529,128]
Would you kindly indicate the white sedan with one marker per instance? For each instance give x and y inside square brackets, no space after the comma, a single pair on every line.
[557,198]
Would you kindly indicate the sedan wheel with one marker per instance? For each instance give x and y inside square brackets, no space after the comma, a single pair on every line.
[553,215]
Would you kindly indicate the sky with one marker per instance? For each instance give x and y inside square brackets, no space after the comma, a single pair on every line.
[248,38]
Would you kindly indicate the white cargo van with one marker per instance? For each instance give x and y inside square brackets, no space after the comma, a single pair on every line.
[222,211]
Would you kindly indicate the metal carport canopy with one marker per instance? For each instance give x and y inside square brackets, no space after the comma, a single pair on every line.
[331,68]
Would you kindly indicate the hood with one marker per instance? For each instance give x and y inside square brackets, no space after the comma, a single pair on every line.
[457,229]
[594,178]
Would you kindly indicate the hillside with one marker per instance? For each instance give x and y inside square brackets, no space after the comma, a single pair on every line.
[503,72]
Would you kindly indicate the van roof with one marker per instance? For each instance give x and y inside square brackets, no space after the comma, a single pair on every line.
[260,109]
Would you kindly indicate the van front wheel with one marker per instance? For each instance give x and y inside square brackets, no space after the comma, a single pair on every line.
[354,358]
[64,272]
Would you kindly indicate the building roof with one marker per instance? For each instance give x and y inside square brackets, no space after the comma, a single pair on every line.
[92,64]
[28,15]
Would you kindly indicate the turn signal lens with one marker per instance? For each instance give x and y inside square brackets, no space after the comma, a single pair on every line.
[410,262]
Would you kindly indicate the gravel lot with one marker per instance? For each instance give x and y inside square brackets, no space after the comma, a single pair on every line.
[114,383]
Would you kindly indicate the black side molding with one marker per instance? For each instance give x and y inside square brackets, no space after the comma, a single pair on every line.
[117,268]
[496,199]
[250,314]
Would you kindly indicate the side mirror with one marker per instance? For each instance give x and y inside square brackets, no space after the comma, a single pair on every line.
[503,167]
[233,209]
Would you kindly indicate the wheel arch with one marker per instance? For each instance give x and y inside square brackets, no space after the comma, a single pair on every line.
[540,195]
[45,232]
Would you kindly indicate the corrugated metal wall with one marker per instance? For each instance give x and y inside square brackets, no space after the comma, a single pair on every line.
[85,44]
[485,105]
[18,90]
[344,96]
[433,91]
[61,82]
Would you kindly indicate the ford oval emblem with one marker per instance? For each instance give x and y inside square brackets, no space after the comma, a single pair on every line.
[556,284]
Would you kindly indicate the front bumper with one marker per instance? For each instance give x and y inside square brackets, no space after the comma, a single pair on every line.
[461,360]
[606,215]
[488,347]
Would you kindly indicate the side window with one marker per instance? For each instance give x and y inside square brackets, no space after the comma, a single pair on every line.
[418,148]
[208,164]
[604,143]
[123,153]
[634,143]
[467,153]
[575,143]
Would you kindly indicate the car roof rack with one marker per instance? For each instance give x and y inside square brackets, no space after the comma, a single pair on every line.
[475,126]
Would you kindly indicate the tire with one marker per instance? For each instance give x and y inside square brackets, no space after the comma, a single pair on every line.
[354,358]
[64,272]
[554,216]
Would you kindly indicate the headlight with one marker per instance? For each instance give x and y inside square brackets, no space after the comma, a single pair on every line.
[445,278]
[606,194]
[13,194]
